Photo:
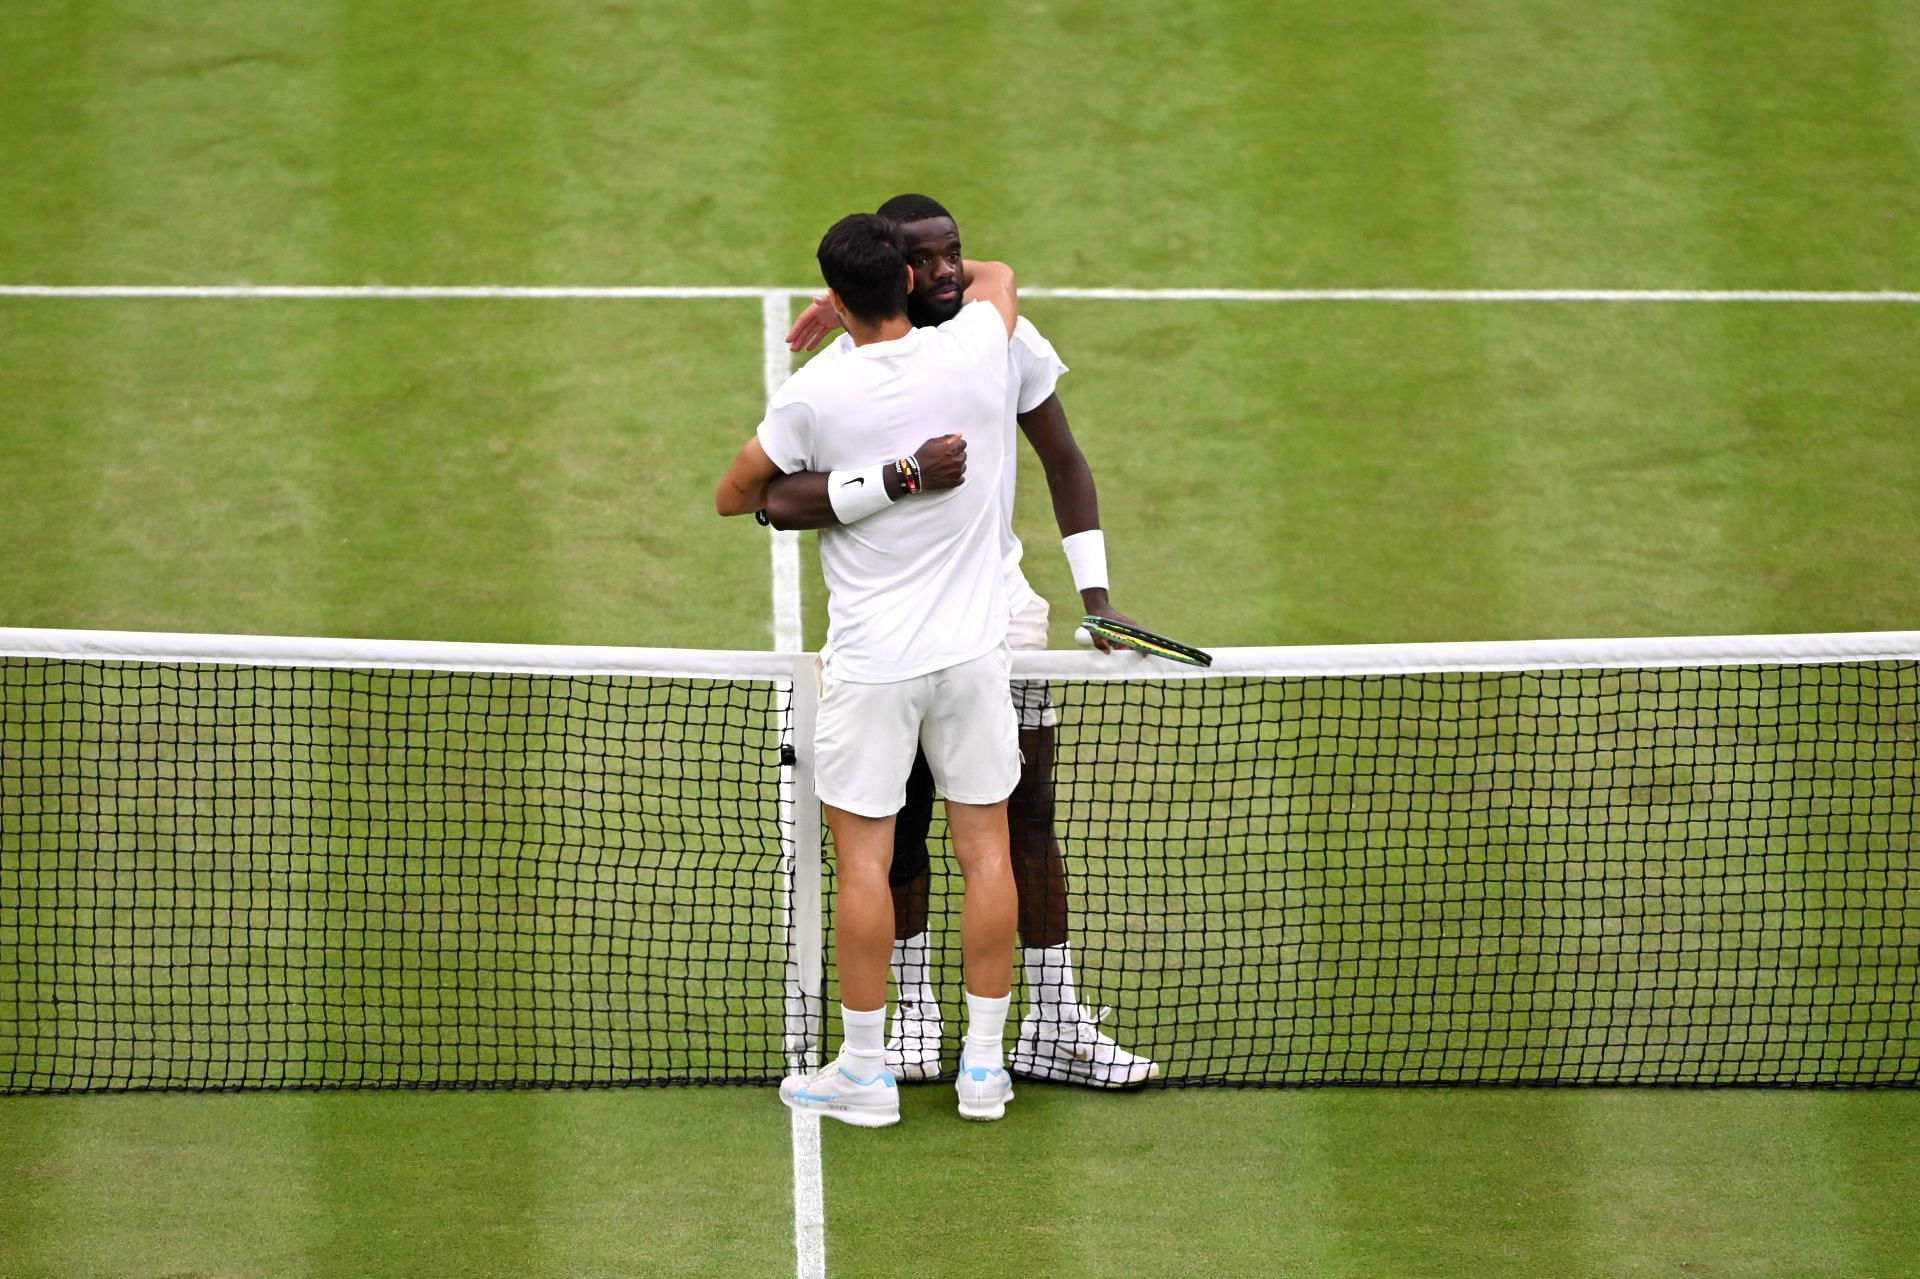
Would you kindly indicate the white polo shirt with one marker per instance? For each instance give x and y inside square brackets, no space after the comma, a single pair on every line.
[1034,369]
[916,587]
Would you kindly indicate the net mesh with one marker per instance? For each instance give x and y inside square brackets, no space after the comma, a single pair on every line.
[1662,876]
[218,876]
[234,876]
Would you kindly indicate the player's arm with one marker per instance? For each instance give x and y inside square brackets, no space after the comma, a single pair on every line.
[993,282]
[743,489]
[806,499]
[813,325]
[1076,505]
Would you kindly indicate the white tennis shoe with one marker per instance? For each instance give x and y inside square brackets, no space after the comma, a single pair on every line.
[983,1093]
[1065,1046]
[841,1091]
[913,1050]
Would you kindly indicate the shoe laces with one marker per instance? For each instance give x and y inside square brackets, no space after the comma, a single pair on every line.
[1086,1018]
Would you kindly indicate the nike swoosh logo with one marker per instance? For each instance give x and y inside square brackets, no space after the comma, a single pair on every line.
[858,479]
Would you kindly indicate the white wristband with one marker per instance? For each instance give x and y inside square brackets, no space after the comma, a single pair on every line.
[1087,554]
[858,494]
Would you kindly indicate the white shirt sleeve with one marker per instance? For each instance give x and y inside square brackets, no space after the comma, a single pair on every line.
[786,432]
[1038,365]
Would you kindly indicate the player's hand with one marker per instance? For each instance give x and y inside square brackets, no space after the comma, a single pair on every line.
[943,462]
[1104,609]
[812,327]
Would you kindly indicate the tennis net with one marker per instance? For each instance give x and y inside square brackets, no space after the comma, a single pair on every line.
[231,862]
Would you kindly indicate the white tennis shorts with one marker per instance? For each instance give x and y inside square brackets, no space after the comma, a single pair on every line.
[864,738]
[1027,633]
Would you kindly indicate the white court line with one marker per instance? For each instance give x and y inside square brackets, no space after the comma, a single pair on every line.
[375,291]
[1471,295]
[809,1200]
[772,293]
[809,1186]
[777,362]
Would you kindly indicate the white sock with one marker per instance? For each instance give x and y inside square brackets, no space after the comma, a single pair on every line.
[986,1029]
[1050,991]
[863,1035]
[910,970]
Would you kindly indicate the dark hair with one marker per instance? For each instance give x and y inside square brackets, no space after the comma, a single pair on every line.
[913,208]
[861,259]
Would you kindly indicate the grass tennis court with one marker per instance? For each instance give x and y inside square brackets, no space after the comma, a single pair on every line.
[1272,474]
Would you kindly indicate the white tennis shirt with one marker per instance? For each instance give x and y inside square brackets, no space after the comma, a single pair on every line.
[1034,369]
[916,587]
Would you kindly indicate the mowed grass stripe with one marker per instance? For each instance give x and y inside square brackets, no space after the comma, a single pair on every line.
[1651,1208]
[49,177]
[1366,1182]
[1568,153]
[1605,472]
[170,488]
[517,472]
[1902,33]
[664,1182]
[525,1184]
[438,480]
[1823,412]
[162,1185]
[1845,192]
[435,1184]
[1263,476]
[1871,1137]
[53,179]
[1824,527]
[142,143]
[441,151]
[32,1168]
[208,499]
[1765,1184]
[48,448]
[151,146]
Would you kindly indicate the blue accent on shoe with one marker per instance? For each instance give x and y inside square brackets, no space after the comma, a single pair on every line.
[884,1077]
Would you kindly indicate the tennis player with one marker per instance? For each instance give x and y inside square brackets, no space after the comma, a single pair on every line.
[916,639]
[1059,1039]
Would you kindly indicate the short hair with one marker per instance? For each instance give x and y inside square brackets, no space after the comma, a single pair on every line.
[913,208]
[863,260]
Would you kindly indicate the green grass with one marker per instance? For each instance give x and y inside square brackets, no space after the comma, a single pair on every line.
[1339,1183]
[527,1183]
[1271,474]
[1372,1182]
[477,471]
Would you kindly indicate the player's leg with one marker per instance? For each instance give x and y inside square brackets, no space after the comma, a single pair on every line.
[863,739]
[856,1087]
[1038,871]
[972,745]
[913,1049]
[862,909]
[988,908]
[1059,1039]
[988,913]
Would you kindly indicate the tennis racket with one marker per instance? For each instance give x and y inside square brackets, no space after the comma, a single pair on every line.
[1142,640]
